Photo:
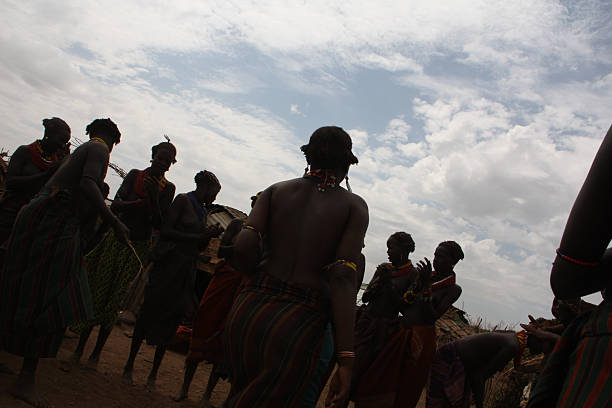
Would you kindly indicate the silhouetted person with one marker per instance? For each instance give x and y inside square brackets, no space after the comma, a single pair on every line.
[43,286]
[169,290]
[142,201]
[578,373]
[29,169]
[313,231]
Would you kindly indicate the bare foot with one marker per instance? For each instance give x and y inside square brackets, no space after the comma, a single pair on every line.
[151,384]
[205,403]
[126,378]
[92,364]
[70,363]
[181,396]
[27,392]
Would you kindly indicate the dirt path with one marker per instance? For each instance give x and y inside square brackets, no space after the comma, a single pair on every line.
[103,388]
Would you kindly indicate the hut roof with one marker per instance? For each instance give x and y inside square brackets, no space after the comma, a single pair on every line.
[453,325]
[222,215]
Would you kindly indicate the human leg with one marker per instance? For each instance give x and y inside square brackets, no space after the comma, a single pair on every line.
[92,361]
[190,369]
[160,351]
[137,338]
[24,388]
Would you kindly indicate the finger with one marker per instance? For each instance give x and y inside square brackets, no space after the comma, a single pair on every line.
[531,319]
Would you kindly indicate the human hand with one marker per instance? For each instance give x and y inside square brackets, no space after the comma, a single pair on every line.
[546,339]
[385,271]
[339,388]
[424,269]
[213,230]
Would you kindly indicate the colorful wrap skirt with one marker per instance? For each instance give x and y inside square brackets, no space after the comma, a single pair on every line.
[578,372]
[449,386]
[111,266]
[399,370]
[169,293]
[43,285]
[209,323]
[273,339]
[10,205]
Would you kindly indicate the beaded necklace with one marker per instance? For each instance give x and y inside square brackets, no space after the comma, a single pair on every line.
[325,178]
[46,158]
[97,139]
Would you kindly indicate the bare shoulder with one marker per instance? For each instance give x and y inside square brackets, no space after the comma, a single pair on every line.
[358,201]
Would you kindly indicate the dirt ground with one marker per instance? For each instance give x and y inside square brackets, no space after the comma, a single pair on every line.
[103,388]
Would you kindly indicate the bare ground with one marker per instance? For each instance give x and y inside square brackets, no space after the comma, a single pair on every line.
[103,388]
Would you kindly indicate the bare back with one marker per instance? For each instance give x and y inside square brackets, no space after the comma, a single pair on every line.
[306,229]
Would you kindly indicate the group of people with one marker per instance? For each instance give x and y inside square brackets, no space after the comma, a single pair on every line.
[279,317]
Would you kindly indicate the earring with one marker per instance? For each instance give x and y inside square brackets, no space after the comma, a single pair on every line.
[348,186]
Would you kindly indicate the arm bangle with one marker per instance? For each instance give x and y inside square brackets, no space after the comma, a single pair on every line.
[574,260]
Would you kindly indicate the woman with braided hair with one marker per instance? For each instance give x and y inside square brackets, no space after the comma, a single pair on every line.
[169,291]
[43,285]
[141,203]
[313,231]
[393,352]
[29,169]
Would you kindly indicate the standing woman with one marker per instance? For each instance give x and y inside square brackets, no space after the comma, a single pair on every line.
[141,203]
[29,169]
[43,285]
[169,291]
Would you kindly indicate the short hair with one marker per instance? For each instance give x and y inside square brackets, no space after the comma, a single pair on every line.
[404,240]
[207,178]
[254,199]
[329,147]
[453,248]
[103,126]
[164,146]
[55,125]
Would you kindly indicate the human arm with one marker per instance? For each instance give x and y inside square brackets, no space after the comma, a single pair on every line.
[588,232]
[343,294]
[163,205]
[94,170]
[121,203]
[246,246]
[445,299]
[169,231]
[14,177]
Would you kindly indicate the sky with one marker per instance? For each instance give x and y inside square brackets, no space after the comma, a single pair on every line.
[474,121]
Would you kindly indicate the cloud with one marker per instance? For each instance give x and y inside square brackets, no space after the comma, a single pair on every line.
[502,106]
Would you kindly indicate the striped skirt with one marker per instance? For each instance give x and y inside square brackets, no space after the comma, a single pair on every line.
[578,372]
[273,339]
[43,285]
[449,386]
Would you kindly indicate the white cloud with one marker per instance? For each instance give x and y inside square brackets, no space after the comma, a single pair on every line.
[507,105]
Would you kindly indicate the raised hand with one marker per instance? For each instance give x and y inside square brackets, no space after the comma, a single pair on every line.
[425,271]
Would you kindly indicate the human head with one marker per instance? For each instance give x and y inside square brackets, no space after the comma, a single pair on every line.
[56,136]
[254,198]
[106,130]
[446,256]
[330,147]
[399,247]
[163,155]
[207,186]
